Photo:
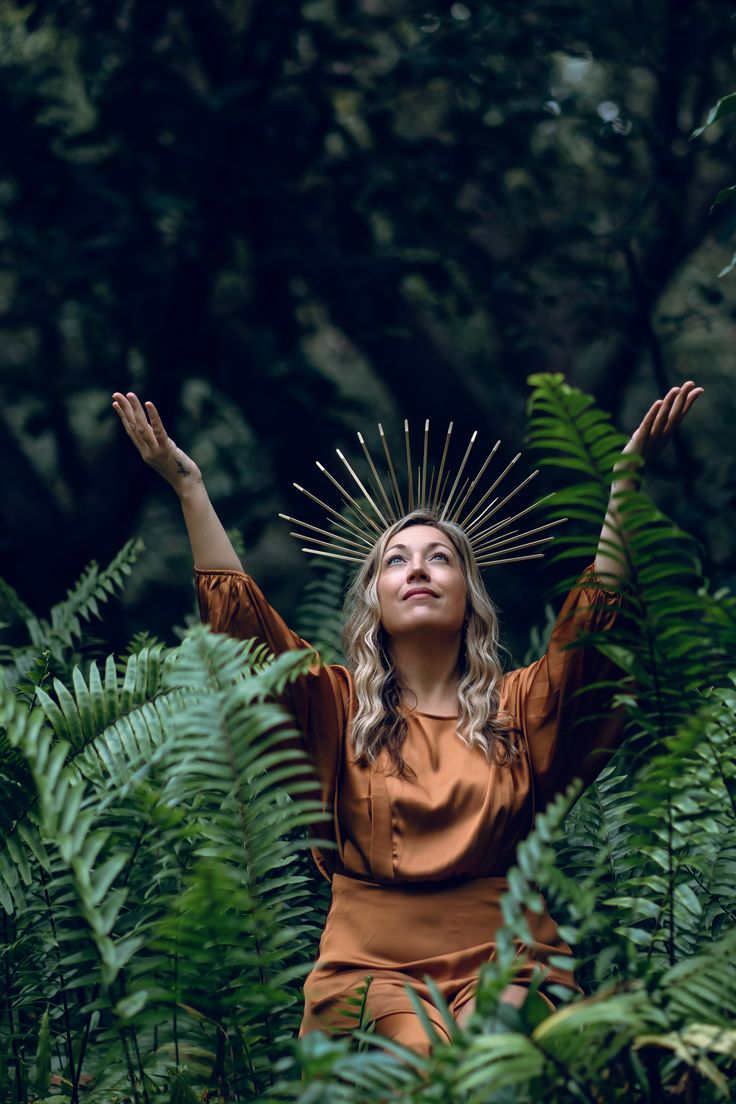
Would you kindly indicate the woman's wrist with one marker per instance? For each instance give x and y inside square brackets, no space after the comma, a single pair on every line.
[190,488]
[628,471]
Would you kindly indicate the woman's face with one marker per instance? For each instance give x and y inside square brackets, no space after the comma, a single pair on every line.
[421,584]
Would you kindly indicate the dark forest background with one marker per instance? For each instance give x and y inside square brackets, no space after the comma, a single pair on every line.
[283,222]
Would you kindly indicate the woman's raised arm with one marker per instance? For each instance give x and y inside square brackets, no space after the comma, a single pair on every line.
[211,547]
[649,438]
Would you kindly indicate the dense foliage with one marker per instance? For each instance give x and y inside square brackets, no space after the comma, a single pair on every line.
[159,907]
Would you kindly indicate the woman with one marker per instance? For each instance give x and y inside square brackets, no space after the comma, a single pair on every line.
[431,761]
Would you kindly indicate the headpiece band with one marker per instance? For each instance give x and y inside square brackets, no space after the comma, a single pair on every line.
[363,519]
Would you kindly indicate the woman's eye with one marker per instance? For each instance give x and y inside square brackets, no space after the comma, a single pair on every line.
[396,558]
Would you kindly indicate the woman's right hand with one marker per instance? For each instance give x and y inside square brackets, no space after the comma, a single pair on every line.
[154,444]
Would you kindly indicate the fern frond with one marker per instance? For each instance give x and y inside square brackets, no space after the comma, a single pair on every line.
[195,844]
[702,988]
[93,588]
[319,616]
[232,752]
[55,637]
[12,603]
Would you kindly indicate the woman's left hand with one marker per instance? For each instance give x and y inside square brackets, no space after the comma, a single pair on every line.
[661,420]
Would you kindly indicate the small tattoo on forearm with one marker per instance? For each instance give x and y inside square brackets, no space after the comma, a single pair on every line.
[181,469]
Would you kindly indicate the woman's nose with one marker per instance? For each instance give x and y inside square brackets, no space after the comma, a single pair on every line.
[417,569]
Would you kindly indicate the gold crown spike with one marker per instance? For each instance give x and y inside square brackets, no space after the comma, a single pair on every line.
[340,518]
[375,474]
[479,505]
[500,551]
[369,521]
[474,482]
[324,532]
[333,555]
[499,525]
[511,559]
[461,469]
[394,483]
[354,531]
[410,489]
[437,498]
[514,536]
[326,544]
[431,484]
[365,492]
[491,509]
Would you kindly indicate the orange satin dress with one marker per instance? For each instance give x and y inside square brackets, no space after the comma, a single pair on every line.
[419,865]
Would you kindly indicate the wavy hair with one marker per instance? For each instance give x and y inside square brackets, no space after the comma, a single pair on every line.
[379,722]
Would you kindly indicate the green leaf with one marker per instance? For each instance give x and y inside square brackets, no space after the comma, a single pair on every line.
[728,268]
[129,1007]
[723,196]
[725,106]
[42,1076]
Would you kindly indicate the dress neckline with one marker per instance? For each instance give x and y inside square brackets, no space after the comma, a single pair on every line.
[434,716]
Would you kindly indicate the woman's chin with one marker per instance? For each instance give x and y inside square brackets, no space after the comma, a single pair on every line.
[423,621]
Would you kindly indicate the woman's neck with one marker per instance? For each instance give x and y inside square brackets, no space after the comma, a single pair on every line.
[428,674]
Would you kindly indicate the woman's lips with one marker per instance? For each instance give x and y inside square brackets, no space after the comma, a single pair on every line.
[419,594]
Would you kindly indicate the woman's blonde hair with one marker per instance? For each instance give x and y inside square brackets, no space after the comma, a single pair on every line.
[378,721]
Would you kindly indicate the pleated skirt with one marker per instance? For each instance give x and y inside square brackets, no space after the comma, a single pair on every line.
[398,933]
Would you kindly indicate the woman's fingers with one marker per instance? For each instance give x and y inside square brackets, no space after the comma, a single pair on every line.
[143,425]
[139,414]
[675,405]
[662,419]
[650,418]
[652,436]
[676,408]
[663,414]
[156,424]
[120,403]
[643,431]
[124,412]
[686,396]
[127,407]
[651,414]
[694,394]
[139,429]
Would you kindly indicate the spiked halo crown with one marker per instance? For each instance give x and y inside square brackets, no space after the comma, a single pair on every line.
[358,525]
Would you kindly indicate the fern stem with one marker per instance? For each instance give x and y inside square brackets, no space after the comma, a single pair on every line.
[251,1067]
[719,764]
[134,853]
[218,1069]
[82,1051]
[139,1060]
[661,724]
[9,1013]
[676,870]
[670,884]
[175,1011]
[586,1092]
[694,874]
[74,1068]
[129,1064]
[246,874]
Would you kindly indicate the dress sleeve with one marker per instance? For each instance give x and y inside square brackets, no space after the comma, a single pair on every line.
[231,602]
[567,720]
